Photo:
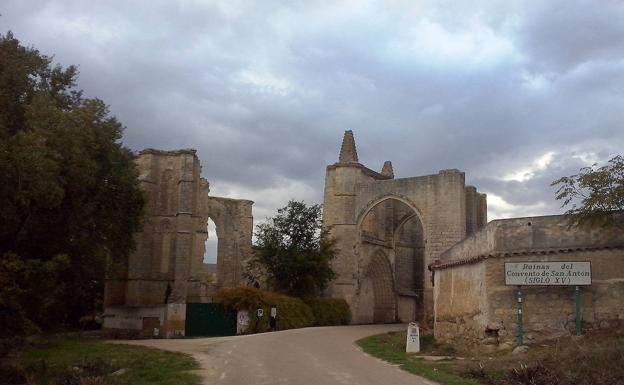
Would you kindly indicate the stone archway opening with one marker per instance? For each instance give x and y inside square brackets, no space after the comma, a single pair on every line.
[379,273]
[211,251]
[391,247]
[410,267]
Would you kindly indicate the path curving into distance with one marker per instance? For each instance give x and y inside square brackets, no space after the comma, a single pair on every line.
[309,356]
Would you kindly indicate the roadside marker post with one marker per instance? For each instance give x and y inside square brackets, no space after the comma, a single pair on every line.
[413,338]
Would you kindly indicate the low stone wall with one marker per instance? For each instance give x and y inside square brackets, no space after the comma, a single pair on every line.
[460,309]
[146,321]
[474,309]
[135,321]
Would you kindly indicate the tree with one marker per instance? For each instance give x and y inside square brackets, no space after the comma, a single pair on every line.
[595,194]
[294,251]
[69,190]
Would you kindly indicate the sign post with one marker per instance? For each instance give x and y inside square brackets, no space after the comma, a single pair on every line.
[549,273]
[520,321]
[273,320]
[577,309]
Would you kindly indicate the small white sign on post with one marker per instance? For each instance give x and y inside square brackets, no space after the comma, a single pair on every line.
[260,312]
[413,338]
[550,273]
[243,318]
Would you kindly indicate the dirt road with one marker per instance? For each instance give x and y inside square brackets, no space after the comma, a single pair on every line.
[311,356]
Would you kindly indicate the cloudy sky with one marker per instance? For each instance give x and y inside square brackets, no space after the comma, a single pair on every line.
[514,93]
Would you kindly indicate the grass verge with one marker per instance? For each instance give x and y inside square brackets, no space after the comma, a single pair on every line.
[593,359]
[56,361]
[391,347]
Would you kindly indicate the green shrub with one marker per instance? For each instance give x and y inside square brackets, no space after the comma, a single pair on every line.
[329,311]
[292,312]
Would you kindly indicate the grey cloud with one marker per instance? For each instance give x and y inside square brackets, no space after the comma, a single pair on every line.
[264,90]
[559,35]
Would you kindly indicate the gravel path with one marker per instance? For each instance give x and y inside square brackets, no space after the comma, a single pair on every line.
[310,356]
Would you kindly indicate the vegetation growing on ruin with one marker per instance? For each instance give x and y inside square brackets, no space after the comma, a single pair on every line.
[594,194]
[329,311]
[69,194]
[57,360]
[292,312]
[293,252]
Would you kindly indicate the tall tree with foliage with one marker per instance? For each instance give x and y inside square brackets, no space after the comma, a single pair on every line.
[295,251]
[69,191]
[594,194]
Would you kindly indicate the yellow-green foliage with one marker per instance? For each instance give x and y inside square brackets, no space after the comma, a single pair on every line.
[329,311]
[292,312]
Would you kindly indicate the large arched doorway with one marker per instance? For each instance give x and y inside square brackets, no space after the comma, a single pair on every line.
[391,250]
[379,273]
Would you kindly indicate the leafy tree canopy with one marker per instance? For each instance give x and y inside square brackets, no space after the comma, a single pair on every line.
[594,194]
[293,251]
[69,190]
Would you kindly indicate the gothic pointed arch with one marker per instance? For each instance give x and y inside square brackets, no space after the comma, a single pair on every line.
[379,271]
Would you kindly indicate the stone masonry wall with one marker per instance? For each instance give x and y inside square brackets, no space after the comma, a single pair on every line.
[352,191]
[461,309]
[165,271]
[474,309]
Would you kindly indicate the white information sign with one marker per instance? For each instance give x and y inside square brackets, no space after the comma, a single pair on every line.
[260,312]
[413,338]
[551,273]
[243,317]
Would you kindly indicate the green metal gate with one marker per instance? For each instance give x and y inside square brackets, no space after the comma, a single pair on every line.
[209,319]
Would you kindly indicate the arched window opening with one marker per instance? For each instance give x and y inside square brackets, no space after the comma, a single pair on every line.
[211,250]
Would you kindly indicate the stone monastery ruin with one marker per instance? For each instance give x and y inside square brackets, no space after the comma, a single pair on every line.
[167,271]
[390,230]
[410,249]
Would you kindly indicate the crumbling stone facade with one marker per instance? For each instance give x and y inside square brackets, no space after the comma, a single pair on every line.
[476,311]
[389,230]
[166,271]
[420,248]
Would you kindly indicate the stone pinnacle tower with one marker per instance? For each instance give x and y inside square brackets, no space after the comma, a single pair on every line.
[387,169]
[348,152]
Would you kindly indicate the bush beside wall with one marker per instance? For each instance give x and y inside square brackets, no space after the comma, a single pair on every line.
[292,312]
[329,311]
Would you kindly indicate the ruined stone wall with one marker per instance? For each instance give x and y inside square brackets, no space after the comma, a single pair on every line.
[164,247]
[437,200]
[476,210]
[409,256]
[461,309]
[166,269]
[475,309]
[356,196]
